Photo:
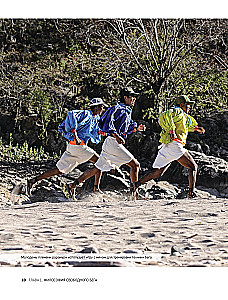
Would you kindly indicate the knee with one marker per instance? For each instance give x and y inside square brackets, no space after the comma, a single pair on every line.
[56,171]
[194,167]
[135,166]
[159,172]
[94,158]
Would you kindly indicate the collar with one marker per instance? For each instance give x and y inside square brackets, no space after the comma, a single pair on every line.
[91,113]
[128,108]
[187,116]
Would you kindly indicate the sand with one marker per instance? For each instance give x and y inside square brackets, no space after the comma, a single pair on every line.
[195,229]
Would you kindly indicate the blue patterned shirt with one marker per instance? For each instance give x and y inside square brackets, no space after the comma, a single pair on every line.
[117,119]
[85,123]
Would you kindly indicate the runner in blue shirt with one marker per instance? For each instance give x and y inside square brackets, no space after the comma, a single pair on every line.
[116,123]
[78,128]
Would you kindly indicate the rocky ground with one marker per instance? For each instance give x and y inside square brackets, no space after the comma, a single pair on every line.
[183,232]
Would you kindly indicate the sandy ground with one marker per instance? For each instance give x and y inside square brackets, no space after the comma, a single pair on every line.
[196,229]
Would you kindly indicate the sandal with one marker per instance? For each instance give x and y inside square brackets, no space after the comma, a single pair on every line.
[192,195]
[96,189]
[71,190]
[141,197]
[134,192]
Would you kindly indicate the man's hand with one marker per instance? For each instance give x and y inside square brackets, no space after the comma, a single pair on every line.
[201,130]
[141,127]
[118,138]
[77,139]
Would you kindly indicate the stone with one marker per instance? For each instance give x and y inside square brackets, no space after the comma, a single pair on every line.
[12,249]
[89,250]
[194,146]
[148,235]
[113,181]
[175,250]
[133,251]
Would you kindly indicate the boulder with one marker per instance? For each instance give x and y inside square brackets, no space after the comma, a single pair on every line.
[215,140]
[212,172]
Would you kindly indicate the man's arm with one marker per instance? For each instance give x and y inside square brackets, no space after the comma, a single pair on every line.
[77,139]
[118,138]
[201,130]
[141,127]
[173,135]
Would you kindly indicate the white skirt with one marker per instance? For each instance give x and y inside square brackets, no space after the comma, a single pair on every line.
[74,156]
[113,155]
[168,153]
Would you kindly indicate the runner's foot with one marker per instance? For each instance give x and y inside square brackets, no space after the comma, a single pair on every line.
[30,183]
[134,192]
[96,189]
[19,189]
[136,196]
[192,195]
[71,188]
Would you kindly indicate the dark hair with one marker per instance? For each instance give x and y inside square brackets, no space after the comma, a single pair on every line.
[122,98]
[127,91]
[92,107]
[122,94]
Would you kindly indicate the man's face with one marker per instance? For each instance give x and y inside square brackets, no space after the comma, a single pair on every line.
[186,107]
[99,109]
[130,100]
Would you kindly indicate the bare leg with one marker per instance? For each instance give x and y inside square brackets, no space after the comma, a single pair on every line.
[153,175]
[86,175]
[94,158]
[187,161]
[97,180]
[134,165]
[47,174]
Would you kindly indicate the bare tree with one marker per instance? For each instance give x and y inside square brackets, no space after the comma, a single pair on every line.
[148,51]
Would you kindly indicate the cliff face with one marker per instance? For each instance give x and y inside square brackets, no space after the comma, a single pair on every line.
[215,140]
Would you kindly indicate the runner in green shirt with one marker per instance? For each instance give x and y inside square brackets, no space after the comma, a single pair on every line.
[175,123]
